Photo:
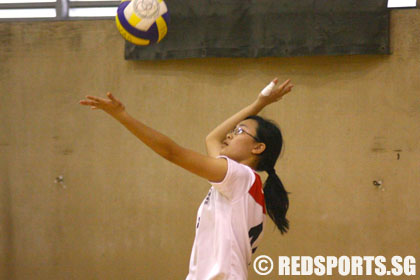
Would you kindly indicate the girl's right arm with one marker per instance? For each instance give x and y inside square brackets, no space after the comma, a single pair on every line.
[210,168]
[215,138]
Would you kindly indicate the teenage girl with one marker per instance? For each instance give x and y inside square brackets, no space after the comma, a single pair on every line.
[231,218]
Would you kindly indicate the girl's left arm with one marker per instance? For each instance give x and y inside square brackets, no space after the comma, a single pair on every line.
[212,169]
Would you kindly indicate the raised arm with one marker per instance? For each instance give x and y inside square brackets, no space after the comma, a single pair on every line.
[215,138]
[204,166]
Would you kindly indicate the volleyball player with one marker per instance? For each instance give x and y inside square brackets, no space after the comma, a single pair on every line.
[231,218]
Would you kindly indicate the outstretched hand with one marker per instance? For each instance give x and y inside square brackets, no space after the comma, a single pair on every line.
[111,105]
[277,92]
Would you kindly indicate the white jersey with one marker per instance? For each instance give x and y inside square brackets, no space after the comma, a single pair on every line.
[229,227]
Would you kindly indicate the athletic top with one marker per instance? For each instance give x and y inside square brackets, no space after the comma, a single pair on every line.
[229,227]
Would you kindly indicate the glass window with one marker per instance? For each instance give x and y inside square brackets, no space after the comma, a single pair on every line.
[28,13]
[24,1]
[93,12]
[91,0]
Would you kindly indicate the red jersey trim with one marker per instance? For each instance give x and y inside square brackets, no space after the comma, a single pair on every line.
[256,192]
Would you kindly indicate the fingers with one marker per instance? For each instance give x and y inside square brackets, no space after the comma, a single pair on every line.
[88,102]
[285,83]
[109,105]
[286,86]
[283,89]
[110,96]
[95,98]
[287,89]
[92,101]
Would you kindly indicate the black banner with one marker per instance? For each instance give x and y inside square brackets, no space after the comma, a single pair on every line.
[270,28]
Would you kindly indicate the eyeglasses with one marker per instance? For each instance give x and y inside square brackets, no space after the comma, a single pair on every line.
[239,130]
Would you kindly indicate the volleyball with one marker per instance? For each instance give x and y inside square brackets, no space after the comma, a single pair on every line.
[142,22]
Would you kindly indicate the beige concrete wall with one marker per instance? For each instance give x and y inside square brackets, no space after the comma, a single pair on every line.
[124,213]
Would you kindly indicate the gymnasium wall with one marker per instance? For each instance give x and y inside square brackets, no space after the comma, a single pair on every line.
[122,212]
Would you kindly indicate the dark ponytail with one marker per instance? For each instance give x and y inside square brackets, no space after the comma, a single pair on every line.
[276,197]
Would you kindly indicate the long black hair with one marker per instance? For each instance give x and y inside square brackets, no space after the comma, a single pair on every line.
[276,197]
